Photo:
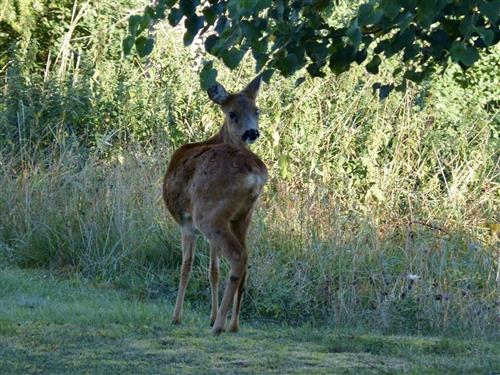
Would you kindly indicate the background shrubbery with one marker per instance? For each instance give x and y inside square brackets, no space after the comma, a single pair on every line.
[379,213]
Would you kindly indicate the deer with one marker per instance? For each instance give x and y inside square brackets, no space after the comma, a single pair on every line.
[211,188]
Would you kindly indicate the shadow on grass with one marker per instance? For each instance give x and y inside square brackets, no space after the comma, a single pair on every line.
[53,326]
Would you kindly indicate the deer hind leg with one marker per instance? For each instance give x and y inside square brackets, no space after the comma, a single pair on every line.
[214,281]
[188,247]
[237,272]
[240,228]
[221,237]
[234,325]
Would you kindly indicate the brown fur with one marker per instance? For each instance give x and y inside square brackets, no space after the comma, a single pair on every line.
[211,187]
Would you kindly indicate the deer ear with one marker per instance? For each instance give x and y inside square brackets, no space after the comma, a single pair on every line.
[253,87]
[218,93]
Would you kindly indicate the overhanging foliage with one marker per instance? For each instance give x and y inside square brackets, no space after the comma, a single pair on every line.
[286,36]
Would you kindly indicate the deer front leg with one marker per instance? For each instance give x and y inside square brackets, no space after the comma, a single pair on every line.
[214,281]
[188,247]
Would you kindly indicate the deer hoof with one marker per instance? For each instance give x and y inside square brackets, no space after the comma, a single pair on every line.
[176,321]
[216,331]
[234,328]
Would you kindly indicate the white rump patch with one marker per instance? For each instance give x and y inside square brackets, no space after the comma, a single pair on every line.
[187,226]
[254,179]
[189,229]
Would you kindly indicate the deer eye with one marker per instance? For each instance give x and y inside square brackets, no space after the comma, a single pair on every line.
[233,116]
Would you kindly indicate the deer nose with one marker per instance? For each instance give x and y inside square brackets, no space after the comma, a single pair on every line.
[250,135]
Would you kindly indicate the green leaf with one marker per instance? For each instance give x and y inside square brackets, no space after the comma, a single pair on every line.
[220,26]
[491,9]
[414,75]
[354,34]
[210,15]
[230,37]
[409,4]
[316,51]
[267,74]
[127,44]
[175,16]
[234,8]
[428,10]
[401,40]
[134,23]
[232,57]
[364,12]
[372,66]
[299,81]
[159,10]
[486,35]
[188,7]
[144,45]
[193,25]
[315,70]
[367,15]
[261,60]
[169,3]
[262,4]
[384,91]
[338,66]
[247,4]
[260,46]
[361,56]
[146,18]
[208,75]
[461,52]
[405,20]
[288,65]
[210,42]
[249,31]
[341,58]
[425,12]
[410,52]
[402,86]
[390,8]
[467,26]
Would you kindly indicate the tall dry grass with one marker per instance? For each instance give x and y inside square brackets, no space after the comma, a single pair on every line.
[311,259]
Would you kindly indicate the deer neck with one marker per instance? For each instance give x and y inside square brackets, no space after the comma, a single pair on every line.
[225,136]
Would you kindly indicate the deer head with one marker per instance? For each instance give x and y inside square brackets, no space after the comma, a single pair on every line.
[240,111]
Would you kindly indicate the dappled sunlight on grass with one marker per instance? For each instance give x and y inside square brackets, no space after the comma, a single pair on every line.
[56,326]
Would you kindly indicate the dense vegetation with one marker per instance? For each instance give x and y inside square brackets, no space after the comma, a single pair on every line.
[286,36]
[377,213]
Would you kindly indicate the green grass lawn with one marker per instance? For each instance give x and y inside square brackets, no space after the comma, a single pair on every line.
[53,326]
